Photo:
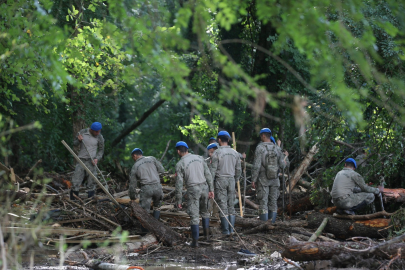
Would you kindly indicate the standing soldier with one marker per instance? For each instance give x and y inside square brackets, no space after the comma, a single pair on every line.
[194,171]
[211,149]
[146,170]
[268,159]
[91,139]
[226,169]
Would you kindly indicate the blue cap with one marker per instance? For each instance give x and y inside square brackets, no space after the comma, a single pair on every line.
[212,145]
[181,143]
[212,138]
[265,130]
[224,133]
[96,126]
[137,149]
[272,139]
[352,161]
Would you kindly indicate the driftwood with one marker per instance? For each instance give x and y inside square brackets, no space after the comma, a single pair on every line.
[302,168]
[250,203]
[344,228]
[250,222]
[364,217]
[164,233]
[303,204]
[394,195]
[309,251]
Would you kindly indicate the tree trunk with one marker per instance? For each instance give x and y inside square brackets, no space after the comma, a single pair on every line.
[164,233]
[344,228]
[303,204]
[303,167]
[253,222]
[78,113]
[394,195]
[309,251]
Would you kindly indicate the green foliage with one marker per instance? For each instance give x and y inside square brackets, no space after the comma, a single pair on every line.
[199,130]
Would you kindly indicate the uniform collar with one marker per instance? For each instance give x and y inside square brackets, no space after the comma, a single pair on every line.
[139,159]
[185,155]
[346,169]
[87,132]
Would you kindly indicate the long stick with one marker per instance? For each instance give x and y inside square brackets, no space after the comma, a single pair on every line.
[237,181]
[283,179]
[94,177]
[319,230]
[244,183]
[95,165]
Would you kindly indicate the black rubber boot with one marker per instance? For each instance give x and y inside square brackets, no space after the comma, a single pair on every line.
[264,217]
[359,206]
[206,228]
[273,217]
[345,212]
[91,193]
[156,214]
[73,198]
[195,233]
[224,226]
[231,219]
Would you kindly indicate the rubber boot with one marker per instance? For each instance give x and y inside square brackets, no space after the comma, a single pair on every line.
[273,217]
[195,233]
[156,214]
[224,226]
[359,206]
[206,228]
[91,193]
[231,219]
[264,217]
[73,198]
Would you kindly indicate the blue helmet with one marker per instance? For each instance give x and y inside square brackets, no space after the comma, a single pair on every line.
[351,160]
[137,149]
[96,126]
[181,143]
[212,145]
[212,138]
[224,133]
[265,130]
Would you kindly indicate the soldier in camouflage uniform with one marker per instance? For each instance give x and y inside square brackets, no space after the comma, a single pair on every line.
[94,142]
[226,170]
[146,170]
[193,170]
[267,189]
[213,140]
[349,192]
[362,158]
[212,208]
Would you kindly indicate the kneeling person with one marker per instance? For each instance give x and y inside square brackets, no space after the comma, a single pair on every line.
[349,192]
[194,171]
[146,170]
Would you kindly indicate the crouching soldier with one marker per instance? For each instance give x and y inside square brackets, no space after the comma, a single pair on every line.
[146,170]
[267,162]
[193,170]
[349,192]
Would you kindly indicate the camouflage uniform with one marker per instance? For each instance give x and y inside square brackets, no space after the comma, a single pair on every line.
[194,171]
[95,145]
[267,189]
[226,169]
[146,170]
[342,191]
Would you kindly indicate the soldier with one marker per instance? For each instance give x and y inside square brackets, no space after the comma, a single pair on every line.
[267,162]
[213,140]
[226,170]
[362,158]
[210,148]
[349,192]
[194,171]
[94,141]
[146,170]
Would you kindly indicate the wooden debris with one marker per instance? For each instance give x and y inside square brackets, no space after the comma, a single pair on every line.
[364,217]
[303,204]
[302,168]
[33,168]
[8,172]
[319,230]
[394,195]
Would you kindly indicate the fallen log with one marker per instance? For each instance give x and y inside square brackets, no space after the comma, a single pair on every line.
[309,251]
[344,228]
[328,210]
[251,204]
[303,204]
[364,217]
[394,195]
[302,168]
[164,233]
[304,183]
[253,222]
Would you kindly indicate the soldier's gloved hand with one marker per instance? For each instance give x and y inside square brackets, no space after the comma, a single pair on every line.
[356,190]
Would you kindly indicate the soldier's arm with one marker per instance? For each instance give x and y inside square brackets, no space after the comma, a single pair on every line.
[208,177]
[238,170]
[158,165]
[132,184]
[76,141]
[359,180]
[100,151]
[179,183]
[214,163]
[257,162]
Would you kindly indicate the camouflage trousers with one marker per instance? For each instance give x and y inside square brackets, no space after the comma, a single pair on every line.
[267,195]
[354,199]
[149,193]
[197,203]
[225,195]
[80,173]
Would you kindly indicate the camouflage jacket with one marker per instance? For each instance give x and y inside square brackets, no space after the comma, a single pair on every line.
[95,145]
[226,163]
